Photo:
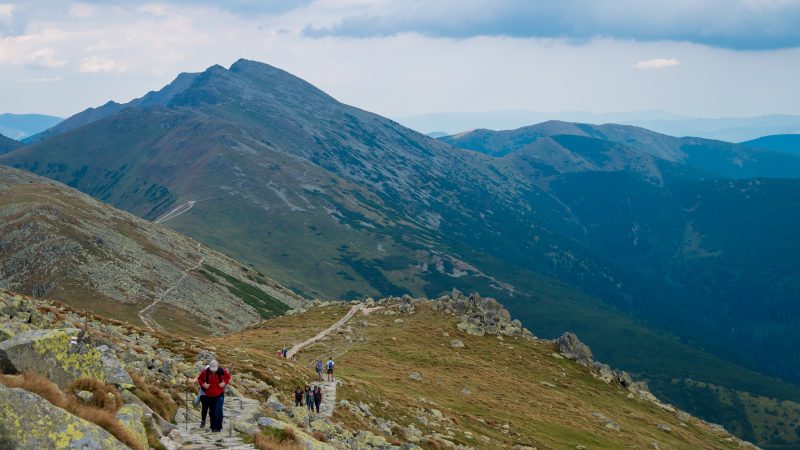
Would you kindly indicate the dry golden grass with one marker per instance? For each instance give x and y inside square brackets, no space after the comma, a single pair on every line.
[545,402]
[50,392]
[271,439]
[105,396]
[156,398]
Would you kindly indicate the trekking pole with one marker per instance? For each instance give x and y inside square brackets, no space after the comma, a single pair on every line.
[186,409]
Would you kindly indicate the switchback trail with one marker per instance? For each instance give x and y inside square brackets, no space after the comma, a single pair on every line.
[144,313]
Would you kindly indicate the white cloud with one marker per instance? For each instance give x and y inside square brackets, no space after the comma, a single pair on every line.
[656,63]
[44,58]
[82,10]
[6,12]
[99,64]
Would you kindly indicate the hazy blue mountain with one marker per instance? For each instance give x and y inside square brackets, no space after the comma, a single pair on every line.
[731,129]
[8,144]
[20,126]
[787,143]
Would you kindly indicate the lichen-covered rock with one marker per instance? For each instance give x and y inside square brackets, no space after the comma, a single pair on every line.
[323,426]
[131,417]
[30,421]
[51,354]
[365,440]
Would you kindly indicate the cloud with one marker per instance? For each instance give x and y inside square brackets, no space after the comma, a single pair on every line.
[99,64]
[656,63]
[44,58]
[733,24]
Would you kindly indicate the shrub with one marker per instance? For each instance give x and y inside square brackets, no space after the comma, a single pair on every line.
[273,439]
[36,384]
[320,436]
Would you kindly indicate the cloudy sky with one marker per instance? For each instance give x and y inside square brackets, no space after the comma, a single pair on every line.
[403,57]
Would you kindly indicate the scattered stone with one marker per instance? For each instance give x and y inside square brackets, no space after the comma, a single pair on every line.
[466,391]
[683,416]
[664,427]
[85,396]
[416,376]
[456,343]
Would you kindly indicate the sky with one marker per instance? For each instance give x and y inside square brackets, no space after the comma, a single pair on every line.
[706,58]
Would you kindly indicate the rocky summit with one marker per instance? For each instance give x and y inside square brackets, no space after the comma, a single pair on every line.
[72,380]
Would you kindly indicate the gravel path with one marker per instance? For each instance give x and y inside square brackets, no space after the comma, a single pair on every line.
[235,409]
[297,347]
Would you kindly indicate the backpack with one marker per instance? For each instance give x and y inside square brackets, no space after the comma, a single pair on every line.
[330,364]
[220,373]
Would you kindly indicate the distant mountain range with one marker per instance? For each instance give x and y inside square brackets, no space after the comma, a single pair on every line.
[20,126]
[618,232]
[787,143]
[731,129]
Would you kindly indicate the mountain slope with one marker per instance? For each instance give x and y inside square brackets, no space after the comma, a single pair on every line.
[334,201]
[57,242]
[787,143]
[8,144]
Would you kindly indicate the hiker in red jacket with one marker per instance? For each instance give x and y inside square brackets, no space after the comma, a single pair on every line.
[213,380]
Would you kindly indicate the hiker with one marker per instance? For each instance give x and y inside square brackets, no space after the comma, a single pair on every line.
[317,397]
[298,397]
[285,352]
[213,380]
[309,398]
[319,370]
[203,401]
[330,369]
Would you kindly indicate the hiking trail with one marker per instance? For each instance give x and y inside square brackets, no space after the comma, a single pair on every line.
[176,211]
[297,347]
[235,409]
[144,313]
[328,396]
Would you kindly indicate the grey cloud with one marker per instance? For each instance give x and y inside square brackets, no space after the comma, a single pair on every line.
[732,24]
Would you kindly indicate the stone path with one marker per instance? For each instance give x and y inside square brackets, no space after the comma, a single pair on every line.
[328,397]
[235,409]
[297,347]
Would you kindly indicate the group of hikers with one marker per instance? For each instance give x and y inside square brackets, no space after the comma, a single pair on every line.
[213,380]
[310,397]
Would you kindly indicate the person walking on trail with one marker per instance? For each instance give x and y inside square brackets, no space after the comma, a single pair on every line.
[319,370]
[317,397]
[213,380]
[298,397]
[309,398]
[285,352]
[329,365]
[203,401]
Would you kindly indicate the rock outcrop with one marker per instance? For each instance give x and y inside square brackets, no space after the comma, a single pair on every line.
[481,316]
[572,348]
[56,355]
[30,421]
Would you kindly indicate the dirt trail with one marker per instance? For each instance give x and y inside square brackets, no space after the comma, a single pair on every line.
[144,313]
[297,347]
[176,211]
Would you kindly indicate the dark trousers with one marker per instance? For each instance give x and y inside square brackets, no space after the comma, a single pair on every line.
[215,411]
[316,403]
[204,408]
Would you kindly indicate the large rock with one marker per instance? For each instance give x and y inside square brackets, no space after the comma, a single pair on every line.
[570,346]
[131,417]
[49,353]
[30,421]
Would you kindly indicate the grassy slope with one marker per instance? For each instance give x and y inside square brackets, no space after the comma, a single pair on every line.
[504,378]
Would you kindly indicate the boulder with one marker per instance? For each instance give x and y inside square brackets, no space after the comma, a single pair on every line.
[85,396]
[416,376]
[131,417]
[300,415]
[49,353]
[32,422]
[365,440]
[571,347]
[323,426]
